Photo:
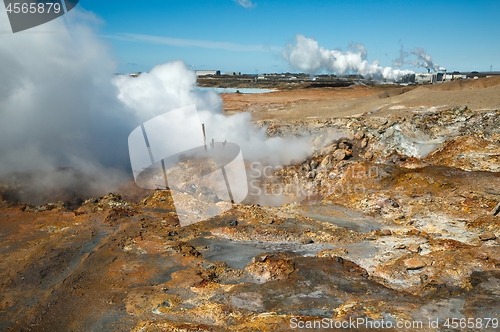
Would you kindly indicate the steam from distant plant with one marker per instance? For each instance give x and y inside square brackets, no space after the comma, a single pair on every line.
[416,57]
[306,55]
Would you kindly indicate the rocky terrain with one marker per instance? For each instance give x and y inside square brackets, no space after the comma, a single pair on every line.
[393,220]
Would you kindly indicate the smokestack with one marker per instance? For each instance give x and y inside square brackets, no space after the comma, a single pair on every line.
[204,136]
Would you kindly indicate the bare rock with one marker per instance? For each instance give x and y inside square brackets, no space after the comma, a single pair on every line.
[339,155]
[496,210]
[386,232]
[414,247]
[487,236]
[359,135]
[326,161]
[275,266]
[414,264]
[364,143]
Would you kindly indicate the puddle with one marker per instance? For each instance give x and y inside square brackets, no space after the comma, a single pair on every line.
[341,217]
[238,254]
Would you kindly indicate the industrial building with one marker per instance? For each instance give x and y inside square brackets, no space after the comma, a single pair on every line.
[207,72]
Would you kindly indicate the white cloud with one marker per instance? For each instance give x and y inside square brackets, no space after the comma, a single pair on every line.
[194,43]
[245,3]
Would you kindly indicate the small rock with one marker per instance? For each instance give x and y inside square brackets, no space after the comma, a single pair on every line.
[386,232]
[344,145]
[364,143]
[307,241]
[368,155]
[311,175]
[496,210]
[487,236]
[326,161]
[400,246]
[314,164]
[359,135]
[414,264]
[393,203]
[339,155]
[259,258]
[414,247]
[233,223]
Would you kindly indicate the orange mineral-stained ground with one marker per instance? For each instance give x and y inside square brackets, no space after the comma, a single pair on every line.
[399,223]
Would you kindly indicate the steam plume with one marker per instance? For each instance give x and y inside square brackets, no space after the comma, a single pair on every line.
[306,55]
[420,59]
[61,106]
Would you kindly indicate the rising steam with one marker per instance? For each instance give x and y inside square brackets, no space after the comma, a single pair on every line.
[61,106]
[306,55]
[416,57]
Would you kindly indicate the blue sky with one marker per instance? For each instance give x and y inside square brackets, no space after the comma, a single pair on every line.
[249,36]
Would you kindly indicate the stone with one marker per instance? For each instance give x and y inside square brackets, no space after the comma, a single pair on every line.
[487,236]
[311,175]
[386,232]
[414,247]
[314,164]
[496,210]
[414,263]
[364,143]
[359,135]
[368,155]
[344,145]
[326,161]
[339,155]
[392,202]
[233,223]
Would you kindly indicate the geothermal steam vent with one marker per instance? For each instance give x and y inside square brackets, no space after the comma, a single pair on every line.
[203,180]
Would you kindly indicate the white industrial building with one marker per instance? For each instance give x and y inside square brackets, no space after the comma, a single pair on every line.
[207,72]
[426,78]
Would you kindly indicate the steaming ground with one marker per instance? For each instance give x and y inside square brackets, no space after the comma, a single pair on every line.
[62,107]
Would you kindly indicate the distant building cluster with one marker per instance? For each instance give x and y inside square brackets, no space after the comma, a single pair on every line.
[437,77]
[414,78]
[207,72]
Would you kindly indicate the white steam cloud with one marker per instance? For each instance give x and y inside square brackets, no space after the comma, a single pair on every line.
[61,105]
[172,86]
[420,59]
[306,55]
